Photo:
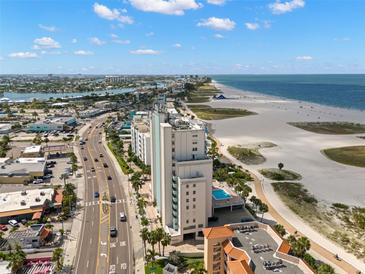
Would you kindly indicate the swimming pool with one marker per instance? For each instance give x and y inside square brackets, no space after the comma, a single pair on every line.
[220,194]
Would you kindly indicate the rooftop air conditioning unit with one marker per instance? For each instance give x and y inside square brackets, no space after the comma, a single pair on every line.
[24,192]
[37,199]
[42,193]
[23,203]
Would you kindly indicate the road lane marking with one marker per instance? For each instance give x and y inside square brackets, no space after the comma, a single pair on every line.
[103,255]
[122,243]
[91,240]
[87,264]
[123,266]
[103,243]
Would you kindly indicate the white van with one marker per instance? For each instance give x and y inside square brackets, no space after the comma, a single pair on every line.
[123,217]
[13,223]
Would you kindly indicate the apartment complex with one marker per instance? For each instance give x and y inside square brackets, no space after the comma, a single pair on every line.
[181,173]
[140,137]
[247,248]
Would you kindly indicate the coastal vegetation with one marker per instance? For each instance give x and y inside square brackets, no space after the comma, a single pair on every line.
[351,155]
[331,127]
[339,222]
[249,155]
[279,174]
[202,94]
[206,112]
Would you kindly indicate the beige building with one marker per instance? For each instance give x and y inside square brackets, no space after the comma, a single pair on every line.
[140,137]
[247,248]
[32,151]
[181,174]
[22,170]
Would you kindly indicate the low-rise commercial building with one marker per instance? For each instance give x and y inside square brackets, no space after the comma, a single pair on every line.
[20,172]
[55,124]
[28,204]
[33,236]
[32,151]
[247,248]
[5,128]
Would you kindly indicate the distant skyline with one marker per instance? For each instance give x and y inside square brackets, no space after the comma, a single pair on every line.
[182,36]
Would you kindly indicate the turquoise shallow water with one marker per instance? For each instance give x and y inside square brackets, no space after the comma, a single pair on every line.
[340,90]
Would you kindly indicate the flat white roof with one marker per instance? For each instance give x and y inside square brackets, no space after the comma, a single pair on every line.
[4,160]
[12,201]
[32,149]
[31,160]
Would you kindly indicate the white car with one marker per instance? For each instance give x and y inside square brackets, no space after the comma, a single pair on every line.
[13,223]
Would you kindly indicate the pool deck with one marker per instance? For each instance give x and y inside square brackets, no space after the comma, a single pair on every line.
[233,200]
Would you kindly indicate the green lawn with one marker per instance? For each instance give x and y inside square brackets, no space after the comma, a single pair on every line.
[280,175]
[155,267]
[208,113]
[352,155]
[249,156]
[331,127]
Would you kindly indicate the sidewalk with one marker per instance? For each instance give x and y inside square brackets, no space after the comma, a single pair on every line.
[326,250]
[72,239]
[135,228]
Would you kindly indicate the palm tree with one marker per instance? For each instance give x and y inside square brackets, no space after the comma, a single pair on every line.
[144,233]
[16,259]
[152,239]
[263,209]
[159,234]
[166,240]
[303,245]
[150,256]
[57,258]
[197,268]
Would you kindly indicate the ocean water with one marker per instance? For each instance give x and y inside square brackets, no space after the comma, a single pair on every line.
[339,90]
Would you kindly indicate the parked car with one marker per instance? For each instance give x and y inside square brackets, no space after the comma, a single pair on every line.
[92,169]
[113,199]
[13,223]
[101,155]
[3,228]
[96,160]
[85,159]
[109,177]
[37,181]
[96,194]
[105,165]
[48,176]
[113,232]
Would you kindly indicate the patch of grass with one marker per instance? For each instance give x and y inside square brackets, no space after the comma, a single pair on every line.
[156,267]
[249,155]
[208,113]
[331,127]
[122,163]
[198,99]
[280,174]
[296,197]
[352,155]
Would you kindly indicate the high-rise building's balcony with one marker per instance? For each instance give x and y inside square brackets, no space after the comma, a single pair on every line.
[174,193]
[175,207]
[175,200]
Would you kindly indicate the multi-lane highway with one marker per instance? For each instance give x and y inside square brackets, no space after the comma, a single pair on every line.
[97,251]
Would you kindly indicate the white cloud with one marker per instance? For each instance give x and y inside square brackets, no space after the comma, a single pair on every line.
[122,42]
[23,55]
[266,24]
[47,28]
[1,58]
[45,43]
[342,39]
[216,2]
[96,41]
[177,45]
[282,7]
[149,34]
[304,58]
[111,14]
[74,41]
[218,36]
[171,7]
[145,52]
[83,52]
[53,52]
[114,36]
[252,26]
[217,23]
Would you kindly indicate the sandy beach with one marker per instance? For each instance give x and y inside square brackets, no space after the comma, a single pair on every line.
[298,149]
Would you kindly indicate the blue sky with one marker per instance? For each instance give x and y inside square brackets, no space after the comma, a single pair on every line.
[182,36]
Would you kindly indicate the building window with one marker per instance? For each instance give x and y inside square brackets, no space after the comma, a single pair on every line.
[187,200]
[187,207]
[195,149]
[195,135]
[193,220]
[194,199]
[187,192]
[193,206]
[187,186]
[194,185]
[194,143]
[173,149]
[187,221]
[194,192]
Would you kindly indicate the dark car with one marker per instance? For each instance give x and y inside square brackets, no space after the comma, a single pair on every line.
[113,232]
[96,160]
[113,199]
[85,159]
[96,194]
[109,177]
[92,169]
[101,155]
[105,165]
